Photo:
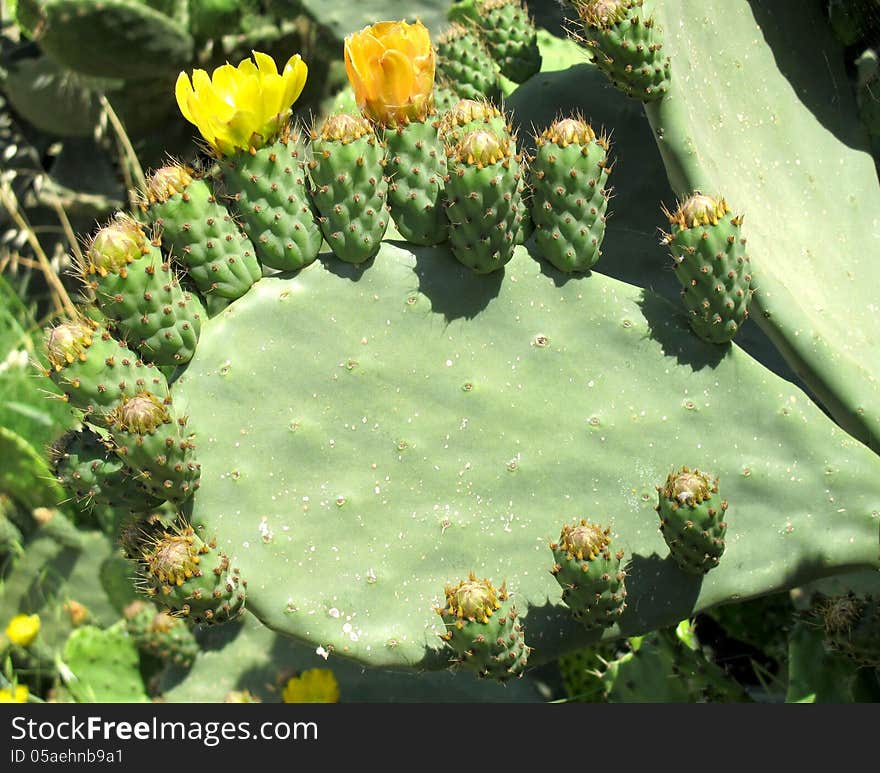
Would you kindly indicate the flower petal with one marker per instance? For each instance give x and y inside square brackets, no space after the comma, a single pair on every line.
[183,90]
[265,63]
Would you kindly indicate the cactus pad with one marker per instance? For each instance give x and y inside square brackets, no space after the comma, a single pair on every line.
[409,451]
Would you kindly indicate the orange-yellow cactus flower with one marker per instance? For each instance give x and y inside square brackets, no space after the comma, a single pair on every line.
[244,107]
[391,69]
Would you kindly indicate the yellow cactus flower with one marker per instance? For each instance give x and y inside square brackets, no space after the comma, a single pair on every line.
[391,68]
[317,685]
[23,629]
[17,695]
[244,107]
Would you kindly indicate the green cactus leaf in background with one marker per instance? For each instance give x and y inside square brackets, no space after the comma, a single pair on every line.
[103,666]
[123,37]
[411,441]
[756,112]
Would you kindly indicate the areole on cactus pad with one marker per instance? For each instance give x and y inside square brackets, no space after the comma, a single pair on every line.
[368,432]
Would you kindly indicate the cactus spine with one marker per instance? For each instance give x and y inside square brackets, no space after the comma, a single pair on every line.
[692,520]
[349,188]
[483,628]
[569,175]
[711,264]
[590,575]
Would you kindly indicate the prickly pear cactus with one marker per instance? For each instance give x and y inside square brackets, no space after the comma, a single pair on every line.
[590,575]
[692,520]
[200,233]
[484,200]
[627,45]
[852,627]
[367,435]
[511,36]
[350,190]
[466,64]
[711,263]
[268,188]
[569,214]
[103,666]
[483,629]
[191,577]
[160,634]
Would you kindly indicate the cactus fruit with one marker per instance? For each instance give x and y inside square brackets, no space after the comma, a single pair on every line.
[852,627]
[511,36]
[152,440]
[200,233]
[483,628]
[691,520]
[160,634]
[350,190]
[569,175]
[711,265]
[93,370]
[468,115]
[94,475]
[269,190]
[484,200]
[135,530]
[626,45]
[466,64]
[136,288]
[590,575]
[415,166]
[191,578]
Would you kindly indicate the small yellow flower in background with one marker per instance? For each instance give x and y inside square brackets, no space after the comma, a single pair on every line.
[317,685]
[391,69]
[23,629]
[244,107]
[18,695]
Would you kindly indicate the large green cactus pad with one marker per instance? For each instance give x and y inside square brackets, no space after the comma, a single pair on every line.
[759,110]
[113,38]
[369,435]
